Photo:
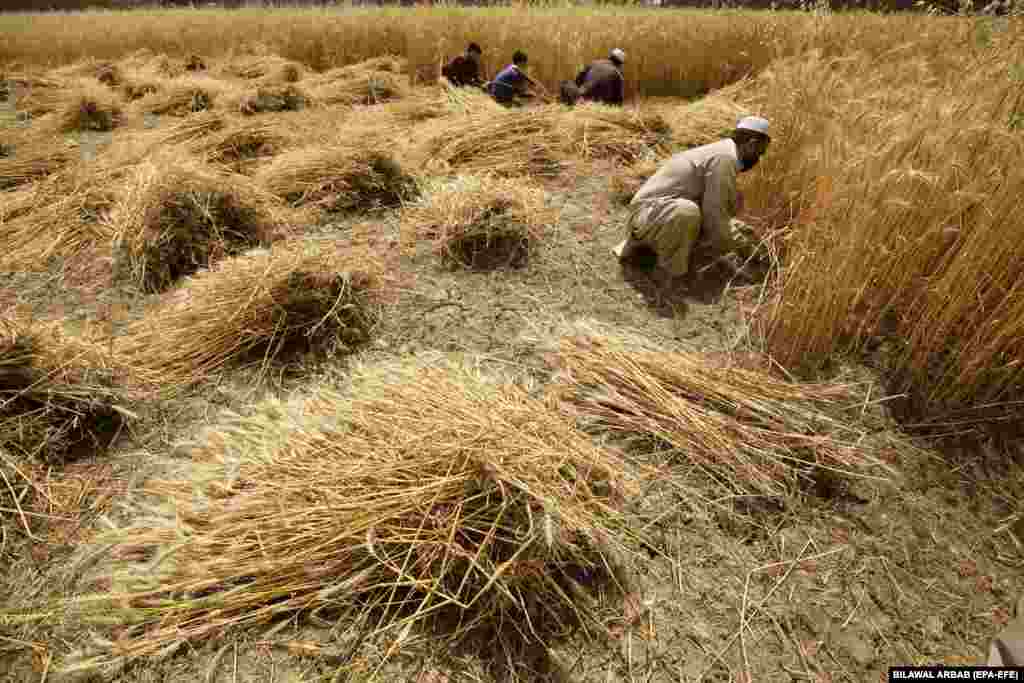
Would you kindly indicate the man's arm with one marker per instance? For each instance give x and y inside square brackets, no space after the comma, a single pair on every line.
[581,77]
[718,205]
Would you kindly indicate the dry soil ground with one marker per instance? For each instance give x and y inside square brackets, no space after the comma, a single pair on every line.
[925,569]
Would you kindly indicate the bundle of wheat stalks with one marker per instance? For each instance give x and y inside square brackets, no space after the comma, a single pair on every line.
[480,221]
[539,141]
[89,106]
[268,68]
[60,216]
[58,394]
[351,86]
[186,95]
[107,73]
[340,176]
[242,143]
[708,119]
[262,306]
[428,502]
[174,216]
[34,159]
[743,428]
[269,98]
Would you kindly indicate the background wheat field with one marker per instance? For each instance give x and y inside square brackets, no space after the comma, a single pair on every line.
[314,368]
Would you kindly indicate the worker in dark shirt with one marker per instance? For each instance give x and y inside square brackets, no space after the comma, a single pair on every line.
[464,70]
[601,81]
[512,82]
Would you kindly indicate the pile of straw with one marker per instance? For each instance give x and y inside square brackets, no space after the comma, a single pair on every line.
[602,132]
[58,217]
[184,96]
[89,106]
[338,177]
[434,508]
[107,73]
[135,88]
[268,305]
[353,88]
[34,160]
[538,141]
[705,121]
[58,396]
[481,222]
[271,98]
[744,429]
[241,144]
[507,143]
[269,68]
[174,217]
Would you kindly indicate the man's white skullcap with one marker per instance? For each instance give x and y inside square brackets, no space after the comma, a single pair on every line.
[619,55]
[754,123]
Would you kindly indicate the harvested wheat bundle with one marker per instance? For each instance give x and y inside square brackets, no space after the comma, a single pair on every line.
[506,143]
[603,132]
[481,222]
[185,96]
[386,63]
[58,217]
[58,396]
[743,428]
[627,179]
[429,506]
[136,87]
[338,178]
[242,143]
[89,106]
[174,217]
[268,67]
[702,122]
[268,305]
[269,98]
[107,73]
[357,88]
[34,160]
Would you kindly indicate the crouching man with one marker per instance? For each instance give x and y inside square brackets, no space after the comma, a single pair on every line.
[693,194]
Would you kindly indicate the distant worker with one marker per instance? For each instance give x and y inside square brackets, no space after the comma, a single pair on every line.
[694,195]
[464,70]
[512,82]
[602,81]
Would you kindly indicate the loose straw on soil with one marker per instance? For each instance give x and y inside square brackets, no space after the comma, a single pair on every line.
[338,177]
[746,429]
[58,397]
[434,507]
[258,307]
[481,222]
[626,181]
[174,217]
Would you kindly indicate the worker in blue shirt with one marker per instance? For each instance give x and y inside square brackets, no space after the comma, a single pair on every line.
[512,82]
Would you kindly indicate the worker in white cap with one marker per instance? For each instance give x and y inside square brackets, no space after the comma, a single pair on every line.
[693,195]
[601,81]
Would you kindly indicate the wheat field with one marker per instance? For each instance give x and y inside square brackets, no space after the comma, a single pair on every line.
[315,368]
